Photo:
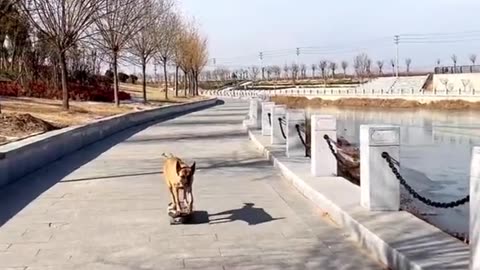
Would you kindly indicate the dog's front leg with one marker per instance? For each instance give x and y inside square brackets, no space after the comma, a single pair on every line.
[177,201]
[190,203]
[174,199]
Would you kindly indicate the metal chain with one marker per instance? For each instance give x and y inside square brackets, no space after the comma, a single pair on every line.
[299,132]
[415,194]
[335,154]
[327,139]
[281,121]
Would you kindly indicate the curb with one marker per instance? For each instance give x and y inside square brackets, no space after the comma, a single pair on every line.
[402,251]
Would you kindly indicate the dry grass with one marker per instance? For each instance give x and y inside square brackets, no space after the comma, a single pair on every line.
[23,117]
[302,102]
[51,110]
[155,94]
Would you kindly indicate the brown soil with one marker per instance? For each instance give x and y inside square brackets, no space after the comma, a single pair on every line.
[23,117]
[20,125]
[303,102]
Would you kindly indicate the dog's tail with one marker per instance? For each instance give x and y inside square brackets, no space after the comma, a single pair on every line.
[167,156]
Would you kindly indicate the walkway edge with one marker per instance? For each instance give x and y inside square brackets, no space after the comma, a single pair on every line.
[397,239]
[18,159]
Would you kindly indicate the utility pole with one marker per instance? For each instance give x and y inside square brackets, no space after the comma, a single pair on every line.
[261,65]
[396,40]
[298,56]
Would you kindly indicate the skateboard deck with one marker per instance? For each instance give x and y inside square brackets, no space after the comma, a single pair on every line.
[178,217]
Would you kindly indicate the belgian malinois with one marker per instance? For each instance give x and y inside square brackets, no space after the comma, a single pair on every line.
[179,176]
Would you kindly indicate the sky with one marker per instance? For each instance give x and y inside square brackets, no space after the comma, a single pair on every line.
[238,30]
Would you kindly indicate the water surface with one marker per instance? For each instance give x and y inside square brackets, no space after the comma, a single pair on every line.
[435,152]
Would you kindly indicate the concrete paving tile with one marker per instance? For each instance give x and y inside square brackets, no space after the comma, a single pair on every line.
[109,212]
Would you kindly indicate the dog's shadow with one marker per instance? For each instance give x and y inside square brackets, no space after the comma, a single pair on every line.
[197,217]
[248,214]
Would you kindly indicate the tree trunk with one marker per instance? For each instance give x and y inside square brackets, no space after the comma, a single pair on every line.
[115,79]
[144,73]
[191,83]
[196,83]
[176,81]
[166,78]
[185,81]
[63,66]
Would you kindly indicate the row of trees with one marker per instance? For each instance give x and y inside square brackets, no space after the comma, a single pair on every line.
[362,65]
[472,58]
[76,36]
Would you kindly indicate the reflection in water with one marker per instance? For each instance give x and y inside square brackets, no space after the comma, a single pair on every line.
[435,153]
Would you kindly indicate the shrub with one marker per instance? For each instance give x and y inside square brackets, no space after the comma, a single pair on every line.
[10,89]
[98,91]
[133,79]
[123,77]
[109,74]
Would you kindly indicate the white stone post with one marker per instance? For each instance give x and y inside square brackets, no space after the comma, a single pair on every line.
[255,113]
[380,189]
[278,111]
[295,147]
[475,210]
[266,111]
[323,163]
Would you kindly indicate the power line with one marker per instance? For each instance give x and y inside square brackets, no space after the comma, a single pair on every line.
[440,33]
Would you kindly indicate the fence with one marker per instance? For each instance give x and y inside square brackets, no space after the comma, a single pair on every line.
[457,69]
[343,92]
[376,162]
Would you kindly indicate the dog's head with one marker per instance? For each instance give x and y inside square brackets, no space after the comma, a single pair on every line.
[185,173]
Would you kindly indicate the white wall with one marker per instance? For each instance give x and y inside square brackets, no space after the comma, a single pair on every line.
[455,81]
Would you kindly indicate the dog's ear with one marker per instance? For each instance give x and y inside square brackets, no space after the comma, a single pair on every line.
[178,166]
[192,168]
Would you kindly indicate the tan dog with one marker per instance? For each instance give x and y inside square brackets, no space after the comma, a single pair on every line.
[178,175]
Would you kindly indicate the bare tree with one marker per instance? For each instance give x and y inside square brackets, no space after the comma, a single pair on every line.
[314,67]
[369,66]
[323,65]
[269,71]
[473,59]
[166,41]
[286,69]
[380,66]
[303,70]
[333,67]
[193,57]
[454,60]
[119,21]
[277,71]
[392,63]
[295,68]
[63,24]
[361,64]
[254,71]
[408,62]
[143,46]
[344,67]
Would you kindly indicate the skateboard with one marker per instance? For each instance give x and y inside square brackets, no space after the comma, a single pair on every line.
[178,217]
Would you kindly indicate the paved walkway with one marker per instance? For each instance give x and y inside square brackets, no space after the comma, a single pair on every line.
[104,207]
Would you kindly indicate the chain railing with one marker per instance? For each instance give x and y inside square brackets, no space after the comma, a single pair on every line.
[330,143]
[301,129]
[282,122]
[392,162]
